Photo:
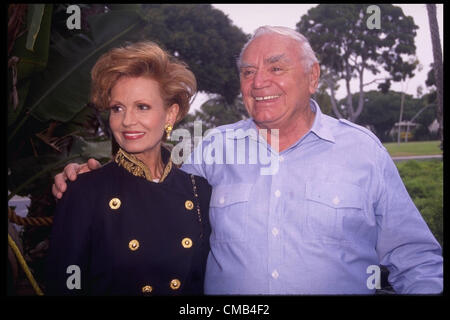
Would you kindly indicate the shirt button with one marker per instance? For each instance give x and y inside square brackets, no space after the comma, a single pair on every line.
[222,200]
[275,231]
[275,274]
[336,200]
[281,158]
[277,193]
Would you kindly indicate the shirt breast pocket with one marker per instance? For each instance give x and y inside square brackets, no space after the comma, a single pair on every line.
[228,212]
[335,211]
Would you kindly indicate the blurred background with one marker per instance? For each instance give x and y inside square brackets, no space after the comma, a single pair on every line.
[380,68]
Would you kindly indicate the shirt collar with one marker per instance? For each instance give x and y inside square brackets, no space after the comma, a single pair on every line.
[137,168]
[248,129]
[319,127]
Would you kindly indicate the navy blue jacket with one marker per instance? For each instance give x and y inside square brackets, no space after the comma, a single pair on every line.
[154,242]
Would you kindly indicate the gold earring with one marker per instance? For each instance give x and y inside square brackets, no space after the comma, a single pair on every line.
[168,128]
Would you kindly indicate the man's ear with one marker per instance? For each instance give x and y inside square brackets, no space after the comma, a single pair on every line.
[314,76]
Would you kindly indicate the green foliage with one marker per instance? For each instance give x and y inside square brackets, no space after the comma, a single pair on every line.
[430,82]
[201,36]
[338,32]
[36,12]
[424,182]
[346,47]
[216,112]
[29,62]
[56,94]
[63,89]
[323,99]
[381,112]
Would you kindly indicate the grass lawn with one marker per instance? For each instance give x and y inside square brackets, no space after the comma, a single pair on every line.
[419,148]
[424,181]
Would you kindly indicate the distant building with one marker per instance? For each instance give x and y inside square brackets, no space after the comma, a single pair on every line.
[434,126]
[406,127]
[405,124]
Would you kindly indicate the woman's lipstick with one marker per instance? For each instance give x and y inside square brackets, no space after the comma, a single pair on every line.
[133,135]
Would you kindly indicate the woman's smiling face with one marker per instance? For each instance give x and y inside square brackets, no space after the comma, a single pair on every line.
[138,115]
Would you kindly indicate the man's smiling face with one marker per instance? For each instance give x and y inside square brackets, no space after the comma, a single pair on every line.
[275,85]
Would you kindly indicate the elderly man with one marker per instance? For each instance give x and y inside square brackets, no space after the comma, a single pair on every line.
[332,211]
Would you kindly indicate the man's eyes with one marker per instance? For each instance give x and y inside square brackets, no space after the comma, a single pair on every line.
[251,72]
[247,72]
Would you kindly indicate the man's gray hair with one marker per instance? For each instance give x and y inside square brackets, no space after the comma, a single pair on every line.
[308,56]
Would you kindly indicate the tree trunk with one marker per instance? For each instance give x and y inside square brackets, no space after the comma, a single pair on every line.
[348,78]
[437,64]
[407,132]
[401,116]
[361,96]
[333,98]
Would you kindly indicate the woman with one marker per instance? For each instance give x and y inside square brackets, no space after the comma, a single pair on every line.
[138,225]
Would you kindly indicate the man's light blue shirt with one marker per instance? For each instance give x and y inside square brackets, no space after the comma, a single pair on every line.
[333,210]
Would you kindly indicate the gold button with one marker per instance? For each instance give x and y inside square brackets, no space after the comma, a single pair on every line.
[189,205]
[175,284]
[133,245]
[147,289]
[114,203]
[186,243]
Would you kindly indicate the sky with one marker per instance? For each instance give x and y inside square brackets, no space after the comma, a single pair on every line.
[248,17]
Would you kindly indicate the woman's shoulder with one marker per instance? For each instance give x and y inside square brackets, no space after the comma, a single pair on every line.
[92,179]
[83,193]
[188,176]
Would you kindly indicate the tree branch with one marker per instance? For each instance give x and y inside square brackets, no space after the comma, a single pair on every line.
[348,78]
[376,80]
[361,95]
[437,64]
